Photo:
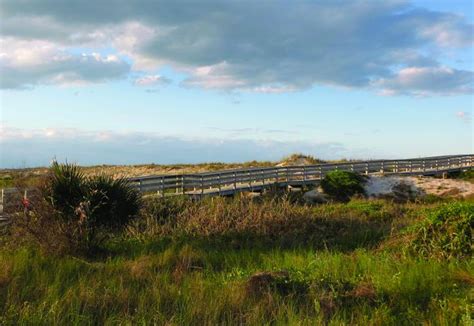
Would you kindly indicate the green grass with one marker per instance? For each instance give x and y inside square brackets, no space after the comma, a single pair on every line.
[345,264]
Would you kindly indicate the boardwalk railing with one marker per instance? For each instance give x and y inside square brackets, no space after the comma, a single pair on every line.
[229,181]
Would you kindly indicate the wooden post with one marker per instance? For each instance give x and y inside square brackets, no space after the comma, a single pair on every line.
[1,203]
[202,185]
[366,168]
[219,183]
[382,167]
[235,180]
[250,179]
[162,186]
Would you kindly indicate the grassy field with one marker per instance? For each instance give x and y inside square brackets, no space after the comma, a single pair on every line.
[258,262]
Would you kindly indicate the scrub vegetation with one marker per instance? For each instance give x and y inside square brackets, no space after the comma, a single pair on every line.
[270,260]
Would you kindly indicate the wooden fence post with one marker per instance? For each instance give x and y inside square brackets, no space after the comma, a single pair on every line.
[202,185]
[162,181]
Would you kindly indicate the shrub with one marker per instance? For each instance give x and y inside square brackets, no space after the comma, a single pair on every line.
[343,184]
[73,213]
[65,187]
[114,202]
[446,232]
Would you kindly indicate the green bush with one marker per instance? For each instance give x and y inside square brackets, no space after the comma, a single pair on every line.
[446,232]
[75,212]
[114,202]
[343,184]
[65,187]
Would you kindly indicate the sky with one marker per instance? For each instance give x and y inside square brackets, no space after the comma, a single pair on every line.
[140,81]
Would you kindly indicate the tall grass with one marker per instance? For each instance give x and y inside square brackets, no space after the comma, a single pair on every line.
[251,262]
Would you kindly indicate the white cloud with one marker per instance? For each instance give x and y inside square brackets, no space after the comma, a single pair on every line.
[152,80]
[25,64]
[424,81]
[268,47]
[38,146]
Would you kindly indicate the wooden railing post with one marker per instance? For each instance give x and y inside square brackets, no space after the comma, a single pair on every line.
[250,180]
[162,181]
[202,185]
[235,180]
[2,201]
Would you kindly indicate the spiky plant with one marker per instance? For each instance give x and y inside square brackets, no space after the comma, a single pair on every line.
[65,187]
[113,201]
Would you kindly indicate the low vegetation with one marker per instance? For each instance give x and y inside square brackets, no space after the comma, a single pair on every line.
[73,214]
[342,185]
[252,261]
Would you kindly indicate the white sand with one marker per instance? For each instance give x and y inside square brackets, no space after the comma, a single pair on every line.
[377,186]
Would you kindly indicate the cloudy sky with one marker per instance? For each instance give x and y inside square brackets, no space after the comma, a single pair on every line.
[132,81]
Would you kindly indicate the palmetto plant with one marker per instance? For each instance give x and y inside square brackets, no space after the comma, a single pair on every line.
[82,208]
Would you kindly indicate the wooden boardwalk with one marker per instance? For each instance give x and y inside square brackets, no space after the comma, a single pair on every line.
[228,182]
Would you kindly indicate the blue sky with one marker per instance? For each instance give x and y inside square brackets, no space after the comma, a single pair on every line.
[134,82]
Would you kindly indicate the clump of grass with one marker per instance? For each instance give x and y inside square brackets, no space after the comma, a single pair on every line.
[342,185]
[446,232]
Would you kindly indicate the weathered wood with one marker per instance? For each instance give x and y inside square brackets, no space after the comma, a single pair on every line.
[230,181]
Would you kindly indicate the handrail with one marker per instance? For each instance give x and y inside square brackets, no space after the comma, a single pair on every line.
[228,181]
